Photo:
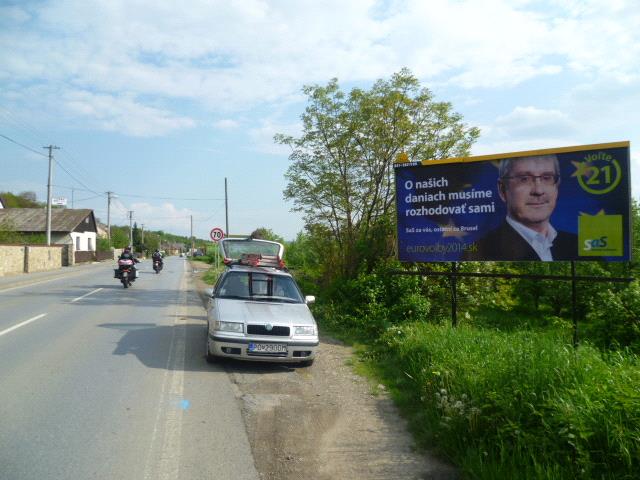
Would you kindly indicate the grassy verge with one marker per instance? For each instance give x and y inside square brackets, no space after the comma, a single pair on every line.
[513,404]
[211,275]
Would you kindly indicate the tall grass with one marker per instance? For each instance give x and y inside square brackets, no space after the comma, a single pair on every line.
[516,404]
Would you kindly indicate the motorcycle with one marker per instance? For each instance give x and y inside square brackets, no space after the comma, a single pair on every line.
[125,272]
[157,266]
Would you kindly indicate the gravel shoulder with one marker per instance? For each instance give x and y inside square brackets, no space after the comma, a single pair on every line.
[323,422]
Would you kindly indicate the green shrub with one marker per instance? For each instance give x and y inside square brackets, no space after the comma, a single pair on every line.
[613,319]
[516,405]
[366,306]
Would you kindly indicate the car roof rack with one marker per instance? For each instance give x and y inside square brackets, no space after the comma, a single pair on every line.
[252,252]
[257,260]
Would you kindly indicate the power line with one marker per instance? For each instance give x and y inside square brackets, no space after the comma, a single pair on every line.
[88,198]
[72,176]
[38,136]
[173,198]
[22,126]
[78,165]
[167,218]
[73,188]
[23,146]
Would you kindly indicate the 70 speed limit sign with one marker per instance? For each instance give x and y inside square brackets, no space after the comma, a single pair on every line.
[216,234]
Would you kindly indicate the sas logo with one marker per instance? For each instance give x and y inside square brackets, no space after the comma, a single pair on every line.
[595,244]
[600,236]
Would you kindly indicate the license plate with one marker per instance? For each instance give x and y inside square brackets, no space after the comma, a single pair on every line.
[267,348]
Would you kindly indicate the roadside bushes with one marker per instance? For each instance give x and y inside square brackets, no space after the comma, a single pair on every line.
[518,404]
[367,305]
[613,318]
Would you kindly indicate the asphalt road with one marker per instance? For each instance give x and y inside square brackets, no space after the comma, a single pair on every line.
[99,382]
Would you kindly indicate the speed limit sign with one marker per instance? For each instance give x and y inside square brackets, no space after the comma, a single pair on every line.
[216,234]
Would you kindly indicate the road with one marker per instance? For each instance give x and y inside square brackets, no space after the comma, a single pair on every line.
[101,382]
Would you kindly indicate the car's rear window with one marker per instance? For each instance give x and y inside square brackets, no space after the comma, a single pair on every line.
[259,286]
[236,248]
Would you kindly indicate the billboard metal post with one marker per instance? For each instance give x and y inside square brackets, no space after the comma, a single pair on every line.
[454,273]
[454,296]
[574,298]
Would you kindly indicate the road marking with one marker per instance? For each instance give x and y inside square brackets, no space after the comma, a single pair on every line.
[86,295]
[22,324]
[163,457]
[29,284]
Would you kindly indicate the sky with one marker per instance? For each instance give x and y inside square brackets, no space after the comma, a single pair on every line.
[161,101]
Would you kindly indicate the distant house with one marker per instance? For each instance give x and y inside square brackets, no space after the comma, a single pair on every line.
[102,230]
[76,227]
[173,248]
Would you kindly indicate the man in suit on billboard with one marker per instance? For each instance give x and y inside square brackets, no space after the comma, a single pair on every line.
[529,188]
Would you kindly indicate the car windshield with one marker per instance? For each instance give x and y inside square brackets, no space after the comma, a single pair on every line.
[259,286]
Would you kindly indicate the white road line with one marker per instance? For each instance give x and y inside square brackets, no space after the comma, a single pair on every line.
[163,457]
[30,284]
[86,295]
[22,324]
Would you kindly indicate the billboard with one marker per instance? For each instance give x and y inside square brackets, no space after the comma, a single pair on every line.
[569,203]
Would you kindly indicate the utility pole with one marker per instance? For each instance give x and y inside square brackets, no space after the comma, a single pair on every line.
[131,229]
[226,208]
[192,241]
[109,217]
[50,148]
[72,189]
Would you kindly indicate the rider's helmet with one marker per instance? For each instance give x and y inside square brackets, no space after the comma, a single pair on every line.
[127,249]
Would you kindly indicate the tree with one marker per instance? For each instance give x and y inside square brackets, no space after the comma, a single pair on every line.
[23,200]
[263,233]
[341,176]
[119,236]
[136,236]
[29,196]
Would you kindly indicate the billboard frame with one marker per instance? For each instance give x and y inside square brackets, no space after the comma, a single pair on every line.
[403,162]
[455,273]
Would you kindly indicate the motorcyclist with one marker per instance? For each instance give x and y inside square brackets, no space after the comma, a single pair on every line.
[157,257]
[127,254]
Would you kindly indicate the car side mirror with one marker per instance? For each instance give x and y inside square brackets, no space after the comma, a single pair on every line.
[309,299]
[210,292]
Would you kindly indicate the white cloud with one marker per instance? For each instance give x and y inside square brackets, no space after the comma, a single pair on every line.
[635,179]
[166,217]
[226,124]
[13,14]
[124,114]
[234,55]
[262,136]
[526,128]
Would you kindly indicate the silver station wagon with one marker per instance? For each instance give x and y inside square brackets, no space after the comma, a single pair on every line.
[256,311]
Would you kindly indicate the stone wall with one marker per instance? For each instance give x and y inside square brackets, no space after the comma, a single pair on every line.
[11,259]
[41,258]
[31,258]
[108,255]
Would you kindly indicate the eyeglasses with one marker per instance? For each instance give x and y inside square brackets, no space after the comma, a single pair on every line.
[546,179]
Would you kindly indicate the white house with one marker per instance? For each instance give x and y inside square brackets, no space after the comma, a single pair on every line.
[68,226]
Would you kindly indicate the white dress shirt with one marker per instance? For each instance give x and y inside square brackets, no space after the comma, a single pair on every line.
[540,243]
